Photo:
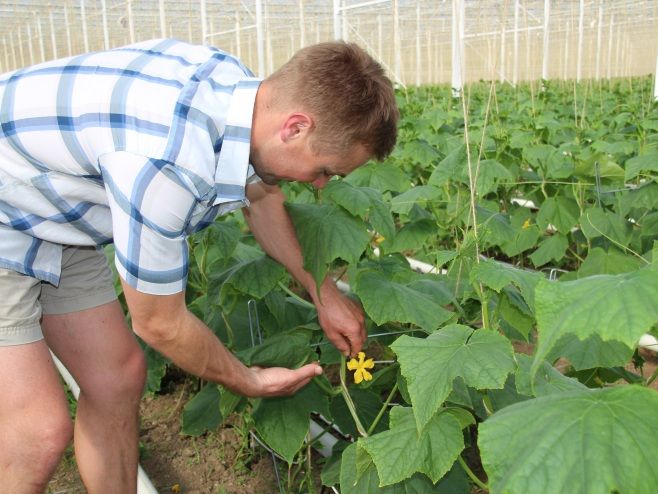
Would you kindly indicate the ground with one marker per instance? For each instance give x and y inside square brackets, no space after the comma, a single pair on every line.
[223,462]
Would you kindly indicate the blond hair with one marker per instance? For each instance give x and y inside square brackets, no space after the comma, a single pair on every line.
[347,93]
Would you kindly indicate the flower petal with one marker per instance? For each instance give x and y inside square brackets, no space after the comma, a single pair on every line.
[353,364]
[366,375]
[358,376]
[368,364]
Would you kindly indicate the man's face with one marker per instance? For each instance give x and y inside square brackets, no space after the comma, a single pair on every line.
[301,164]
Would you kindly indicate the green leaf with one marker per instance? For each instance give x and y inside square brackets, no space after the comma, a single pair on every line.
[381,176]
[257,277]
[548,380]
[387,301]
[595,222]
[326,233]
[282,350]
[550,249]
[560,212]
[452,168]
[201,413]
[549,161]
[495,226]
[420,152]
[455,481]
[403,451]
[348,196]
[616,307]
[482,358]
[364,202]
[490,173]
[497,275]
[647,162]
[284,422]
[598,261]
[411,236]
[583,442]
[591,352]
[217,242]
[403,203]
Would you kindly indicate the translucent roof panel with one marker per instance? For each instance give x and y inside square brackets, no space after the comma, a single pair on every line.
[497,39]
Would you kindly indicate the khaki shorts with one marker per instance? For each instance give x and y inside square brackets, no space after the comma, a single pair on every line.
[86,281]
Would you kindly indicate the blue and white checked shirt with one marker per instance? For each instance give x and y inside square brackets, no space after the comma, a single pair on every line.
[141,145]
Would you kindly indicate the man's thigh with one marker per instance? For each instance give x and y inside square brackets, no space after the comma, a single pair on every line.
[83,322]
[30,387]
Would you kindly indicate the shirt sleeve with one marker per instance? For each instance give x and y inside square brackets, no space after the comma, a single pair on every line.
[150,205]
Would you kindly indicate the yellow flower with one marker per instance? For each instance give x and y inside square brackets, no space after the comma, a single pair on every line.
[379,239]
[526,224]
[359,367]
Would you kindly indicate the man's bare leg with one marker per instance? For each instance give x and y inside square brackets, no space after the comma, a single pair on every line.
[103,356]
[35,426]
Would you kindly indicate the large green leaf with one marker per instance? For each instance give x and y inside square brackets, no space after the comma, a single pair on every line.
[202,413]
[420,194]
[551,248]
[647,162]
[490,174]
[497,275]
[386,300]
[403,451]
[591,352]
[599,261]
[547,381]
[595,222]
[365,202]
[257,277]
[411,236]
[217,242]
[327,232]
[282,350]
[615,307]
[560,212]
[367,481]
[283,423]
[381,176]
[482,358]
[582,442]
[354,199]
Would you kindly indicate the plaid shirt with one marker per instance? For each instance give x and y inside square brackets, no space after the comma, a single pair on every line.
[141,146]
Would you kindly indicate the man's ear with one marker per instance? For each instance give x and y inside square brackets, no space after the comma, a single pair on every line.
[295,126]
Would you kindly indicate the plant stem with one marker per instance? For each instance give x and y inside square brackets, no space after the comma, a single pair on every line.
[471,475]
[295,296]
[383,409]
[348,399]
[652,378]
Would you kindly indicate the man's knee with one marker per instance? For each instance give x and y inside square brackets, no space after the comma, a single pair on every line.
[38,439]
[124,380]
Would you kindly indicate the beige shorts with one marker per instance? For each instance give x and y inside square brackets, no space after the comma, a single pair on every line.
[86,281]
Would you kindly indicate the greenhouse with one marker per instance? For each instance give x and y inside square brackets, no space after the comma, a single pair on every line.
[449,287]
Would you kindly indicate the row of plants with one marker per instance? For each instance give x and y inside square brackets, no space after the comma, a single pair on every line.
[539,204]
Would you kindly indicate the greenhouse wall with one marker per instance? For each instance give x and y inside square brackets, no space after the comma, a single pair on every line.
[506,40]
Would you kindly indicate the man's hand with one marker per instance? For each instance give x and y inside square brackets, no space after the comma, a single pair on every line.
[341,319]
[279,381]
